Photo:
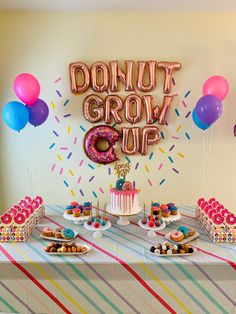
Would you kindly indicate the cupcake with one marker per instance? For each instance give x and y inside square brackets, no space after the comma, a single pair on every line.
[76,212]
[69,209]
[155,209]
[166,212]
[87,208]
[173,210]
[163,206]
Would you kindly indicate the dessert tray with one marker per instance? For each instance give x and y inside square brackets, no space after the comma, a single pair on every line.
[151,230]
[70,253]
[97,231]
[76,220]
[170,255]
[184,241]
[58,239]
[123,218]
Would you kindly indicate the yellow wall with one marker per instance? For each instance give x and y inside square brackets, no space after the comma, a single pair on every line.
[44,44]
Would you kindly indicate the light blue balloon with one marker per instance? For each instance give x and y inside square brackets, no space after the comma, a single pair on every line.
[198,122]
[15,115]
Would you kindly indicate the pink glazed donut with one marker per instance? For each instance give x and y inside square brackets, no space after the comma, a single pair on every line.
[218,219]
[231,219]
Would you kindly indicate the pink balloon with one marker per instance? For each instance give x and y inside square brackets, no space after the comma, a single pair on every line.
[27,88]
[217,86]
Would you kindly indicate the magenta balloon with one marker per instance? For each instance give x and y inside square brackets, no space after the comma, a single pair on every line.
[216,85]
[27,88]
[38,112]
[208,109]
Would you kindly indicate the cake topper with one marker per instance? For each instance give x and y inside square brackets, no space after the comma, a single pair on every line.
[121,170]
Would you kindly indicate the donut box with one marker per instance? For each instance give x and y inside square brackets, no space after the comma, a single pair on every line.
[19,221]
[217,221]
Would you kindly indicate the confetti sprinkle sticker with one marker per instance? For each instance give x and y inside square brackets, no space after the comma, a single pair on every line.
[160,166]
[162,135]
[67,115]
[91,178]
[58,93]
[57,119]
[184,104]
[149,181]
[61,171]
[68,130]
[161,150]
[110,185]
[66,184]
[63,148]
[81,162]
[147,169]
[178,128]
[71,172]
[171,148]
[59,157]
[180,155]
[53,167]
[55,133]
[72,192]
[81,192]
[134,184]
[175,137]
[109,171]
[174,95]
[79,180]
[75,140]
[91,166]
[53,105]
[187,135]
[136,166]
[101,190]
[53,144]
[186,95]
[82,128]
[66,102]
[162,181]
[127,158]
[173,81]
[150,156]
[170,159]
[114,125]
[177,112]
[95,195]
[175,170]
[187,115]
[57,80]
[68,157]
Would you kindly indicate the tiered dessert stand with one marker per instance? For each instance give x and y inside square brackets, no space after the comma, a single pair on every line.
[123,218]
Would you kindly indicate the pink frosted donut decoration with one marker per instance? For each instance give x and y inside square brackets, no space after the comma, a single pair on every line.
[18,207]
[207,208]
[39,199]
[211,213]
[13,211]
[30,208]
[218,219]
[200,200]
[35,204]
[231,219]
[22,203]
[127,186]
[19,218]
[215,204]
[26,212]
[6,219]
[219,207]
[211,200]
[203,204]
[28,199]
[224,212]
[91,140]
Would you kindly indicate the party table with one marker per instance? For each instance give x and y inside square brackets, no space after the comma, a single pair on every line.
[117,275]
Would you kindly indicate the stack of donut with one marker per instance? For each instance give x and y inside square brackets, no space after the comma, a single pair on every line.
[213,215]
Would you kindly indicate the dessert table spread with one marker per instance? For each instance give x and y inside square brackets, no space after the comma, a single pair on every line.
[118,275]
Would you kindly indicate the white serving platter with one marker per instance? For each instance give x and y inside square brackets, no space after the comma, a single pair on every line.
[77,220]
[69,254]
[171,218]
[53,239]
[184,241]
[171,255]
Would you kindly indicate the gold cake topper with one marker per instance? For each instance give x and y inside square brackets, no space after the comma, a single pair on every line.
[121,170]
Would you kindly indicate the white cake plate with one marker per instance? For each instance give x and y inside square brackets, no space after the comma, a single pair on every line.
[77,220]
[171,218]
[97,231]
[151,230]
[123,218]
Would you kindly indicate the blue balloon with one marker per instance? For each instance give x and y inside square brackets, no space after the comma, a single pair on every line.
[198,122]
[15,115]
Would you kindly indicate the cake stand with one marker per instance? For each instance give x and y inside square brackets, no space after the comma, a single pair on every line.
[76,220]
[97,231]
[123,218]
[151,230]
[171,218]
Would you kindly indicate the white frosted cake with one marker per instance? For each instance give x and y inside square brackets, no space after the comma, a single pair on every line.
[124,201]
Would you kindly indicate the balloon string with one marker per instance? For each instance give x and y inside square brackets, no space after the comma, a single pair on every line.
[204,160]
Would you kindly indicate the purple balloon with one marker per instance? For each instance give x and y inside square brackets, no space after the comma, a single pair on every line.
[38,112]
[208,109]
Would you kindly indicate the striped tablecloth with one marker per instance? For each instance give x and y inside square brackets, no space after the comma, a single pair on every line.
[117,275]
